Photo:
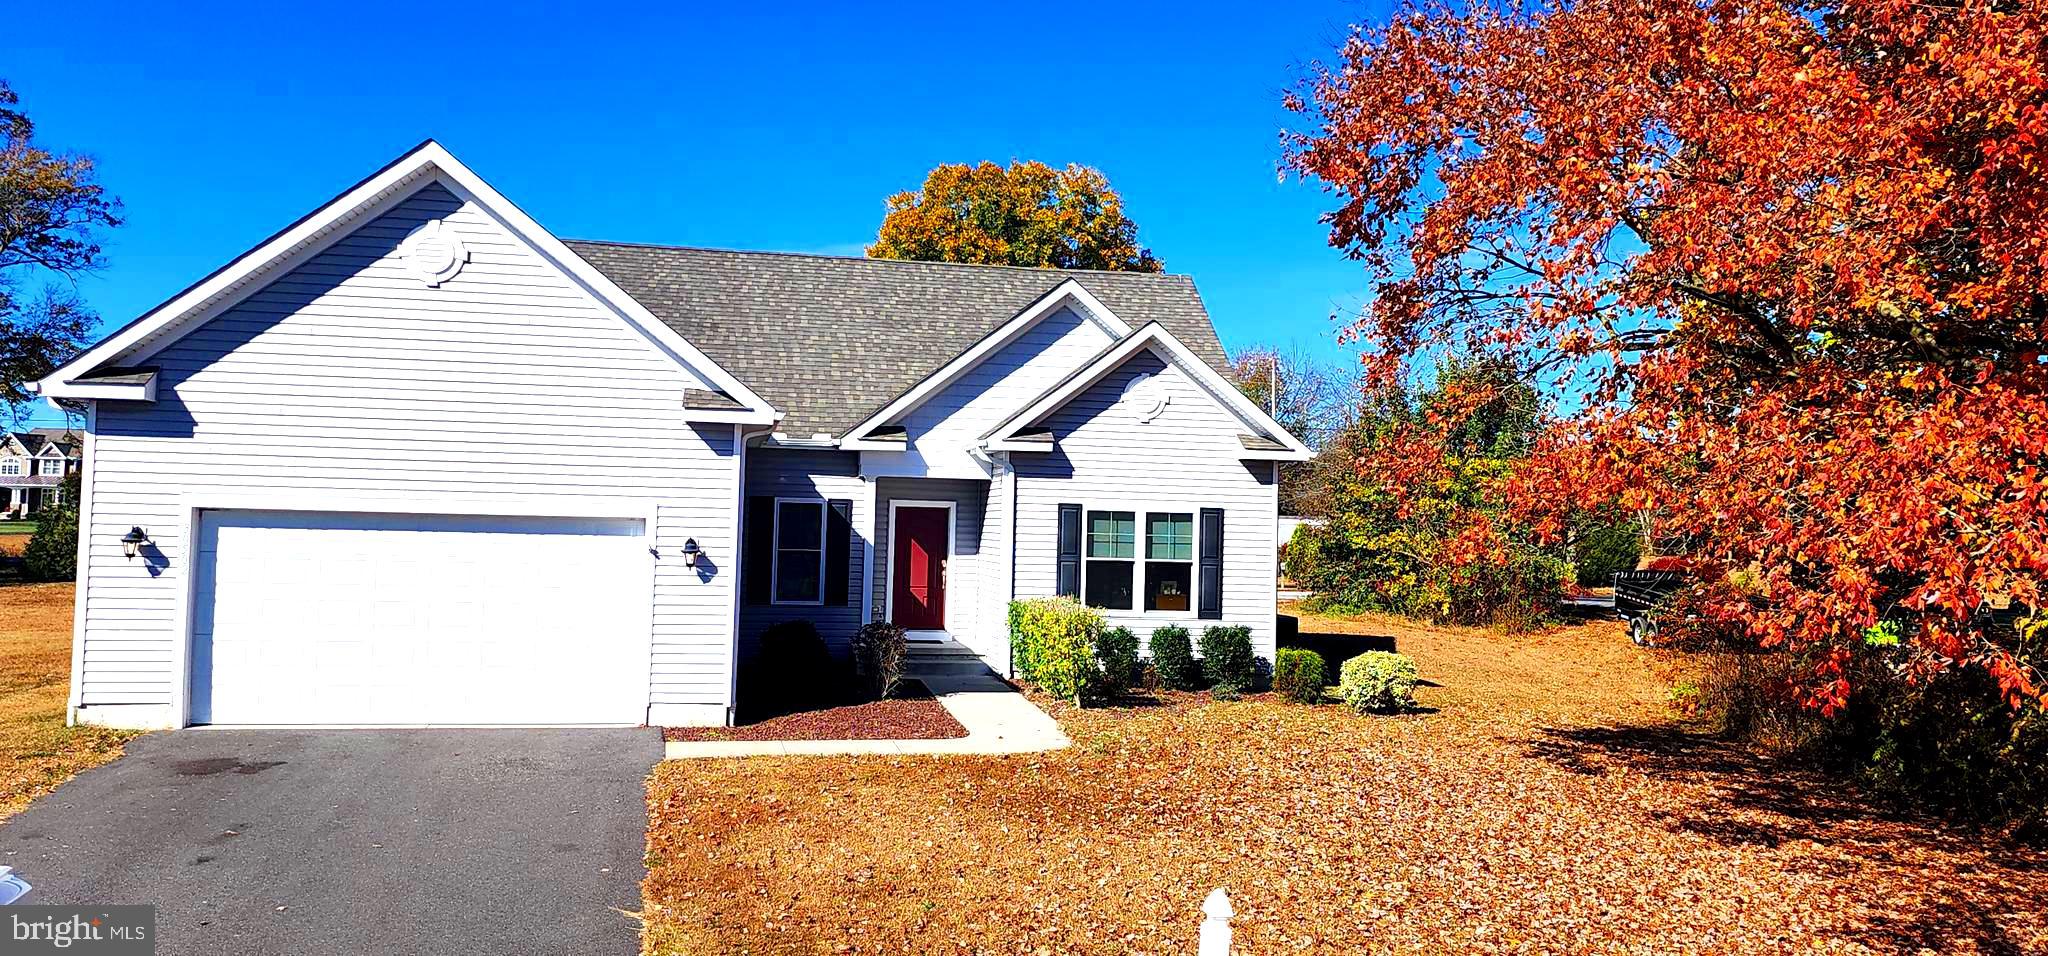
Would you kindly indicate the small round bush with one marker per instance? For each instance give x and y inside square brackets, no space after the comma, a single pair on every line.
[1116,661]
[1298,675]
[1379,682]
[1173,657]
[1227,658]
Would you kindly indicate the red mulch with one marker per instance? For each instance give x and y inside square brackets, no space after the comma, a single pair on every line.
[912,714]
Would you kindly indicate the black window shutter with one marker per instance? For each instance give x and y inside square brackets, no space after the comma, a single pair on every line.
[838,550]
[757,571]
[1070,551]
[1211,572]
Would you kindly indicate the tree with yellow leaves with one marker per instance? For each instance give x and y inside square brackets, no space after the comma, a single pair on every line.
[1026,214]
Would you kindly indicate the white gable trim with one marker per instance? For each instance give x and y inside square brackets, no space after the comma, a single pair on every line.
[1156,339]
[429,162]
[1068,293]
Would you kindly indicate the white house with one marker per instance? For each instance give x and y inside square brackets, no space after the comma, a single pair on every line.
[415,460]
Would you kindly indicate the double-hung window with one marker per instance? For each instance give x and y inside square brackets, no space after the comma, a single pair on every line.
[11,466]
[1131,553]
[1169,560]
[799,573]
[1111,559]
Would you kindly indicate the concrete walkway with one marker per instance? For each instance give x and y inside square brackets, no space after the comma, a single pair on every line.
[999,720]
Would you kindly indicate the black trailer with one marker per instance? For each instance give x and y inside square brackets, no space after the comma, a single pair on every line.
[1639,596]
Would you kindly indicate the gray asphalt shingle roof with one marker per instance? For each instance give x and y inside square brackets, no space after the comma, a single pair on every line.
[831,339]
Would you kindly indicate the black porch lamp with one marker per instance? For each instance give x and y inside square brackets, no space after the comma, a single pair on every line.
[691,552]
[132,542]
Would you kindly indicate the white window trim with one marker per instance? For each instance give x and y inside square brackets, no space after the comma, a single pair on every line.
[1139,560]
[11,466]
[775,551]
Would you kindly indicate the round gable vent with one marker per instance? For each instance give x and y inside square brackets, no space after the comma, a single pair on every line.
[1146,396]
[434,253]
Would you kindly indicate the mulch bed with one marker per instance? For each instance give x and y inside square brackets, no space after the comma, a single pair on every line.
[911,714]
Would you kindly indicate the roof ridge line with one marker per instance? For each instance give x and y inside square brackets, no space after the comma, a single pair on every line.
[1054,270]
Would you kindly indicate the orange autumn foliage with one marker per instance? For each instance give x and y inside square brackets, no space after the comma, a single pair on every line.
[1023,214]
[1785,261]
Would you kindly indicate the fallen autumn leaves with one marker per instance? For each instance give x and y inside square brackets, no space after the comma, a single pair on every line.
[1547,805]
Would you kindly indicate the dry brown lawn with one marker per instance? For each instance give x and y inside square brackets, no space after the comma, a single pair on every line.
[13,544]
[37,752]
[1547,803]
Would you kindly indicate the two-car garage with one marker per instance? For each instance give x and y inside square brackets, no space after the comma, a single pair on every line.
[363,619]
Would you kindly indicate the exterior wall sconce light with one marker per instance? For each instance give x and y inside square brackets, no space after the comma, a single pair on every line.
[691,552]
[132,542]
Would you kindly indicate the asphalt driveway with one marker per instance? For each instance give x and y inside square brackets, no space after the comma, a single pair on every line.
[356,841]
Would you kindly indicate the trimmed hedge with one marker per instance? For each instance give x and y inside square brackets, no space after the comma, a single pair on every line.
[878,653]
[1379,682]
[1173,659]
[1227,659]
[1299,675]
[1116,659]
[1052,644]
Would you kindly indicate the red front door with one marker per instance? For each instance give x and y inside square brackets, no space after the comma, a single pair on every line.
[920,547]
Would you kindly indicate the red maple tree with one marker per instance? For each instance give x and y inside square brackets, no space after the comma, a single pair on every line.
[1786,261]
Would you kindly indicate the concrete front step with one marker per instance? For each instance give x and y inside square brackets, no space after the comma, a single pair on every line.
[940,650]
[950,667]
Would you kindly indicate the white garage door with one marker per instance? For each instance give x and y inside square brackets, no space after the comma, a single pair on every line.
[314,618]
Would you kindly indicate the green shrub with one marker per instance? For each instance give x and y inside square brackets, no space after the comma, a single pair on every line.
[1262,676]
[1946,742]
[1052,644]
[1173,657]
[1379,682]
[1116,659]
[878,653]
[1299,675]
[52,554]
[1227,659]
[1604,550]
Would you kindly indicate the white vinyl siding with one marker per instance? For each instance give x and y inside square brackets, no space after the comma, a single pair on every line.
[800,474]
[1181,462]
[347,376]
[994,570]
[941,429]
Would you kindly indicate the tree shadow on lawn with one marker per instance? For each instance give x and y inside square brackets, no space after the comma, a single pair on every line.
[1757,800]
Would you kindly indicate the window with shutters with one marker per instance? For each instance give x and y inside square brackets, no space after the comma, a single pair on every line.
[799,568]
[1169,561]
[1140,560]
[1112,552]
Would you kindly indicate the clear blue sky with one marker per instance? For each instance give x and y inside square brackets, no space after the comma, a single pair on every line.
[781,127]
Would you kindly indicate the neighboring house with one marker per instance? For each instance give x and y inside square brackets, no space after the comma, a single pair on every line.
[32,469]
[414,460]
